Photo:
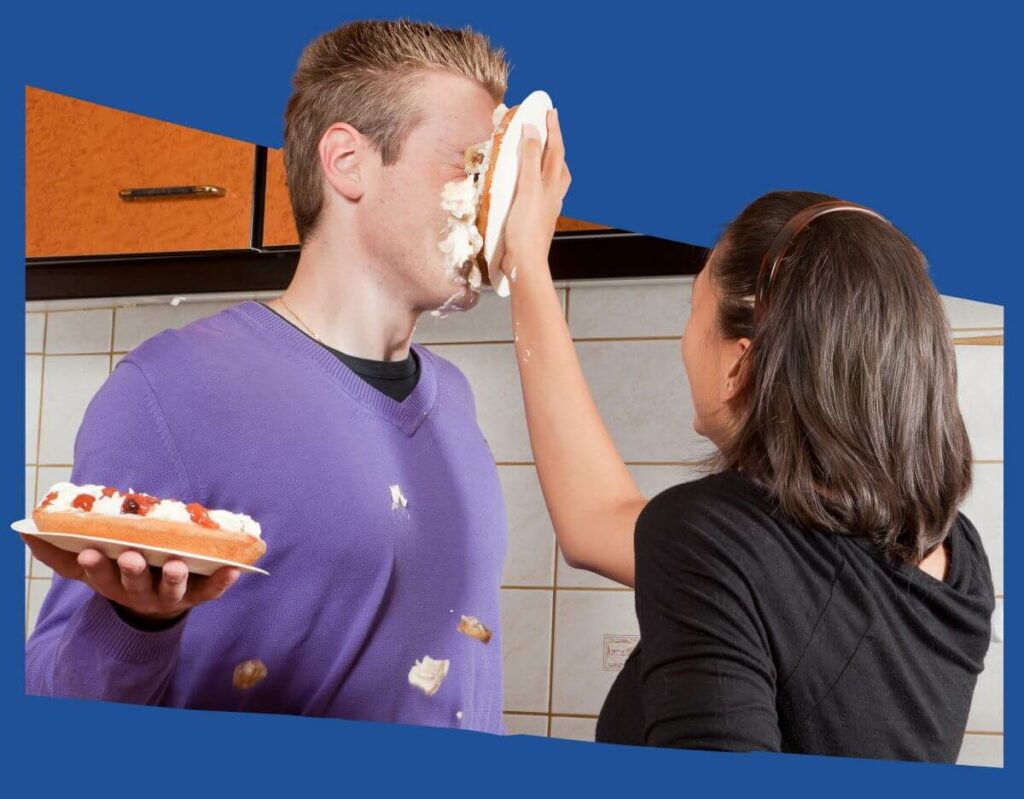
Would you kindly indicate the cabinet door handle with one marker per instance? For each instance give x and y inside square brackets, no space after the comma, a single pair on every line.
[170,193]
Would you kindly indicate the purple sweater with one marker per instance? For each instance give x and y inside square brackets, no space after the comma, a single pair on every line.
[244,412]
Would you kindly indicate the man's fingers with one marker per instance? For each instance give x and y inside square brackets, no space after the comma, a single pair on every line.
[64,563]
[213,586]
[173,582]
[136,579]
[101,574]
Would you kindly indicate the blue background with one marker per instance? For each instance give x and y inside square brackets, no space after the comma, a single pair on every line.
[674,120]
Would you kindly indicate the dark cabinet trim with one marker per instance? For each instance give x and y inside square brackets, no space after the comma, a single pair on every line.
[586,256]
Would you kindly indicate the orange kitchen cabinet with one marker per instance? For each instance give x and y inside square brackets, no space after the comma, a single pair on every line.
[278,221]
[79,157]
[279,224]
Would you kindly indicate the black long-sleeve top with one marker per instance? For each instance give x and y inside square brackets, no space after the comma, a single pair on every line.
[758,634]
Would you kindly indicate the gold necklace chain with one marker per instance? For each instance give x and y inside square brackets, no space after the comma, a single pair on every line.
[299,319]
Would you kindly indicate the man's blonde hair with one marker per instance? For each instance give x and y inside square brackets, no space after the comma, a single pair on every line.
[363,73]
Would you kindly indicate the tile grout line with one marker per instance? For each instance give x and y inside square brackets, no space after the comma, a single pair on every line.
[496,342]
[606,589]
[74,354]
[637,463]
[638,339]
[75,310]
[554,585]
[35,499]
[39,441]
[981,462]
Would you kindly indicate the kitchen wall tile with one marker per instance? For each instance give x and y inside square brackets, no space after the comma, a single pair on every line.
[48,475]
[135,324]
[34,327]
[516,724]
[573,729]
[971,313]
[30,503]
[981,750]
[36,594]
[651,480]
[531,539]
[641,390]
[71,381]
[984,507]
[980,389]
[623,310]
[30,490]
[490,320]
[593,632]
[987,708]
[33,389]
[492,374]
[526,643]
[78,331]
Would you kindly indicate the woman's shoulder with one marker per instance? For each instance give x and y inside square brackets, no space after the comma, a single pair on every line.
[723,498]
[726,519]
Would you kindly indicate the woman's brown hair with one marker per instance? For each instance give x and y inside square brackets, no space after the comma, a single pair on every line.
[847,410]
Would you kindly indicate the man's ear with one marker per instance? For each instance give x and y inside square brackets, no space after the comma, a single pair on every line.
[342,153]
[738,355]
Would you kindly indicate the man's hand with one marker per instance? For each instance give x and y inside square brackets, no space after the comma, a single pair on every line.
[151,594]
[543,181]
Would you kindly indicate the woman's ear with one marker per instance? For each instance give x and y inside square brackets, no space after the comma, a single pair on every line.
[342,152]
[736,355]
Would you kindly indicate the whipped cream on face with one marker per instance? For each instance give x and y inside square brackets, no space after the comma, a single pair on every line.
[462,241]
[168,510]
[461,198]
[428,674]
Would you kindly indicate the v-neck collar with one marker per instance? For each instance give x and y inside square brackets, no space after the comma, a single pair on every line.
[407,415]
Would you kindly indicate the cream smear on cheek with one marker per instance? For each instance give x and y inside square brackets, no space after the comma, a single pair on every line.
[462,242]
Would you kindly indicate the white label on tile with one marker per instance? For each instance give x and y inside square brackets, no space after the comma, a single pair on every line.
[617,649]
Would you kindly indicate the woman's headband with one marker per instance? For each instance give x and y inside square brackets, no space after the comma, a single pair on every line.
[780,246]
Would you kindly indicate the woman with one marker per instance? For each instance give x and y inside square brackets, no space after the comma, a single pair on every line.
[819,592]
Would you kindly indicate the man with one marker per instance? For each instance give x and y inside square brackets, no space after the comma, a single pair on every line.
[358,452]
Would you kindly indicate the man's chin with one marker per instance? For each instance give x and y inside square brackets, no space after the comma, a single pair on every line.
[461,300]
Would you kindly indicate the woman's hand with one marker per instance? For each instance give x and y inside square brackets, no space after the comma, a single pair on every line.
[543,181]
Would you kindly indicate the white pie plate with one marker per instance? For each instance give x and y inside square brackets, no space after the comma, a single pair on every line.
[155,556]
[533,110]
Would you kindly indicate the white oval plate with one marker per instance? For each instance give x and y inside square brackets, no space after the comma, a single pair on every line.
[533,110]
[155,556]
